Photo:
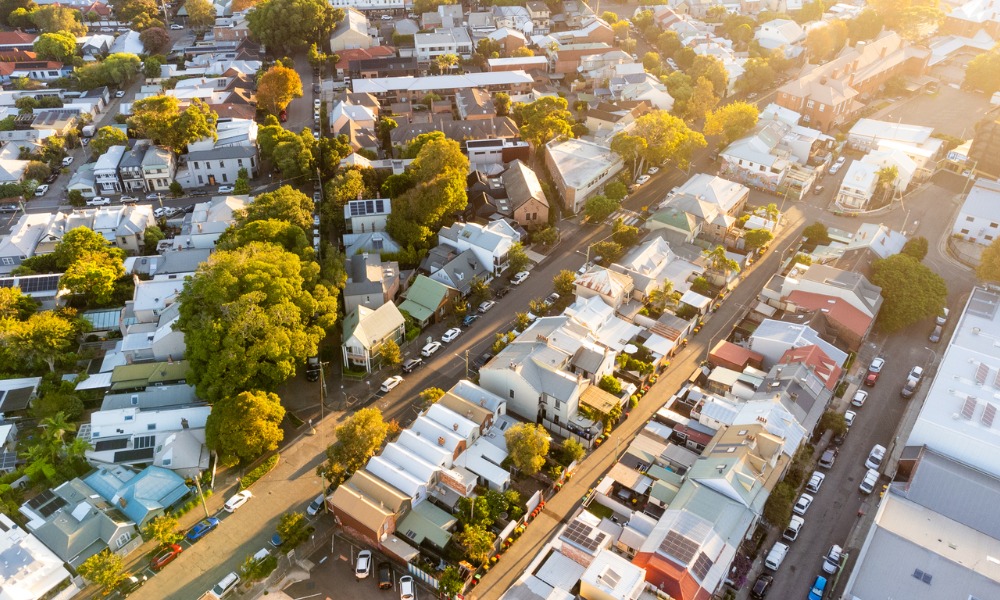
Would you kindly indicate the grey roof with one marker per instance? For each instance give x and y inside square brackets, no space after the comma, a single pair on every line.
[132,159]
[800,390]
[587,359]
[983,199]
[182,261]
[463,269]
[955,490]
[522,185]
[75,539]
[869,293]
[153,397]
[223,153]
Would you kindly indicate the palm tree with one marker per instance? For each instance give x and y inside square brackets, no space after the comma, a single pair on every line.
[446,61]
[660,296]
[720,262]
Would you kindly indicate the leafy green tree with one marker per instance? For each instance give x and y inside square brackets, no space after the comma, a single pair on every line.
[572,450]
[667,138]
[152,65]
[733,121]
[543,120]
[201,14]
[757,238]
[718,260]
[160,118]
[288,26]
[154,40]
[43,338]
[7,8]
[431,395]
[546,236]
[564,283]
[477,543]
[778,507]
[116,70]
[865,26]
[983,72]
[624,235]
[92,278]
[294,528]
[651,61]
[450,582]
[610,384]
[911,18]
[164,530]
[242,185]
[703,99]
[632,149]
[916,247]
[528,445]
[616,190]
[609,251]
[106,137]
[517,258]
[910,291]
[758,76]
[832,421]
[257,570]
[989,262]
[598,208]
[283,204]
[502,103]
[390,353]
[290,238]
[248,320]
[475,511]
[438,191]
[712,69]
[37,170]
[358,439]
[60,46]
[244,426]
[816,234]
[15,305]
[57,395]
[53,18]
[277,87]
[105,569]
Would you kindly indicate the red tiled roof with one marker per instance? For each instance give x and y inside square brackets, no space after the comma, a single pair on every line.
[822,365]
[733,354]
[672,579]
[836,309]
[11,38]
[346,56]
[6,69]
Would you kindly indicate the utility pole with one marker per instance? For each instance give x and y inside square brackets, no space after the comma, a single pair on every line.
[197,482]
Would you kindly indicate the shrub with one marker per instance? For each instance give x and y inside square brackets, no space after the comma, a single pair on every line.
[259,471]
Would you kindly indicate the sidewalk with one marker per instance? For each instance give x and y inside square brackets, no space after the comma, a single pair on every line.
[560,506]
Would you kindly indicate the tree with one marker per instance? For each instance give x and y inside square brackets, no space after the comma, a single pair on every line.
[317,59]
[92,278]
[517,258]
[52,18]
[244,426]
[160,119]
[758,76]
[522,52]
[983,73]
[718,260]
[832,421]
[358,439]
[913,19]
[616,190]
[609,251]
[15,305]
[703,99]
[116,70]
[151,238]
[390,353]
[756,239]
[201,14]
[733,121]
[816,234]
[528,445]
[242,185]
[598,208]
[610,384]
[43,338]
[501,102]
[294,528]
[521,321]
[277,87]
[624,235]
[288,26]
[450,582]
[564,283]
[164,530]
[477,543]
[543,120]
[37,170]
[431,395]
[248,319]
[60,46]
[632,149]
[155,39]
[256,570]
[105,568]
[106,137]
[865,26]
[915,247]
[712,69]
[989,262]
[7,8]
[80,242]
[546,236]
[283,204]
[572,450]
[778,507]
[667,138]
[152,67]
[445,62]
[621,29]
[651,61]
[910,291]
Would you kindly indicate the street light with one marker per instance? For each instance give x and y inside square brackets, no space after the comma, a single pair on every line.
[933,355]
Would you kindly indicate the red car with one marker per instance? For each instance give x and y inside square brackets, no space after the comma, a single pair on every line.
[874,370]
[165,557]
[283,116]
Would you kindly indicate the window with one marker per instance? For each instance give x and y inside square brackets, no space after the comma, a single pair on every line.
[822,107]
[970,219]
[196,164]
[123,539]
[200,179]
[512,394]
[810,104]
[129,417]
[7,260]
[988,238]
[151,427]
[965,231]
[994,225]
[222,165]
[225,179]
[239,162]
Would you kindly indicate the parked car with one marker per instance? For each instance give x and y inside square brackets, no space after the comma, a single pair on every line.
[130,585]
[913,379]
[201,529]
[849,417]
[761,586]
[384,575]
[120,94]
[935,336]
[67,161]
[8,208]
[519,277]
[831,562]
[469,320]
[829,457]
[869,482]
[776,556]
[653,170]
[412,363]
[859,398]
[153,196]
[226,586]
[42,189]
[176,27]
[802,504]
[390,383]
[407,588]
[129,200]
[815,482]
[551,299]
[874,370]
[942,317]
[485,306]
[226,189]
[451,334]
[316,505]
[238,500]
[642,179]
[875,457]
[363,566]
[502,292]
[818,190]
[794,527]
[430,349]
[165,557]
[818,588]
[99,201]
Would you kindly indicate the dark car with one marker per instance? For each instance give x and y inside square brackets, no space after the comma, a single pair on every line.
[469,320]
[936,334]
[165,557]
[51,178]
[312,374]
[761,586]
[276,540]
[829,458]
[8,208]
[502,292]
[412,364]
[201,529]
[384,576]
[874,370]
[130,585]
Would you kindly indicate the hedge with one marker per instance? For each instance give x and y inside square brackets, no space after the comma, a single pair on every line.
[259,471]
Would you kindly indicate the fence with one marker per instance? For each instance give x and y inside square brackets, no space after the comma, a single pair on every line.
[286,561]
[421,575]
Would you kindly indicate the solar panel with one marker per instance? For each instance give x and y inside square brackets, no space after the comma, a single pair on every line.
[42,283]
[702,566]
[144,441]
[970,407]
[130,455]
[580,534]
[105,445]
[981,372]
[996,380]
[46,503]
[988,414]
[679,547]
[8,461]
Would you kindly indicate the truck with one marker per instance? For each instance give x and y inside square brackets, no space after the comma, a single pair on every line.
[87,131]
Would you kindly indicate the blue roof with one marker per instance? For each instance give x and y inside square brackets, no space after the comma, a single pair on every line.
[145,495]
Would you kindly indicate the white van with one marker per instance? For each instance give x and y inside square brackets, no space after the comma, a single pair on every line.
[226,586]
[776,556]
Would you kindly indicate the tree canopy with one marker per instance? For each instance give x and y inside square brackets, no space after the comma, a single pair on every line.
[732,121]
[116,71]
[106,137]
[161,119]
[358,438]
[105,569]
[437,176]
[989,263]
[667,138]
[983,72]
[598,208]
[283,204]
[543,120]
[277,87]
[289,26]
[245,425]
[60,46]
[910,291]
[528,444]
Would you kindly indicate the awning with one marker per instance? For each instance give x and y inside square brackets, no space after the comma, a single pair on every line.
[630,478]
[400,549]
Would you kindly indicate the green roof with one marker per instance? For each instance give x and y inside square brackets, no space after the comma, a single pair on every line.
[140,375]
[424,297]
[419,312]
[672,217]
[427,522]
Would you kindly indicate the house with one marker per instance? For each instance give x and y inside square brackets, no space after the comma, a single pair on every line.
[370,282]
[375,61]
[485,140]
[444,40]
[366,330]
[509,39]
[139,377]
[704,207]
[368,507]
[461,271]
[773,338]
[849,325]
[123,226]
[130,168]
[351,32]
[474,104]
[540,16]
[428,300]
[17,40]
[382,5]
[526,201]
[22,240]
[106,170]
[158,168]
[362,216]
[871,242]
[612,287]
[157,341]
[32,570]
[915,142]
[579,169]
[858,186]
[76,523]
[652,264]
[978,220]
[972,17]
[609,119]
[832,94]
[357,122]
[490,243]
[203,226]
[413,89]
[781,34]
[854,288]
[142,496]
[220,165]
[538,65]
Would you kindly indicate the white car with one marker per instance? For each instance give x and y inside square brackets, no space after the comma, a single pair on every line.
[802,504]
[386,17]
[868,484]
[153,196]
[451,334]
[317,197]
[176,27]
[390,383]
[519,278]
[859,398]
[237,501]
[317,102]
[642,179]
[874,460]
[40,190]
[67,161]
[363,567]
[407,589]
[849,417]
[837,165]
[653,170]
[120,94]
[485,306]
[430,349]
[815,482]
[226,586]
[160,212]
[226,189]
[99,201]
[831,562]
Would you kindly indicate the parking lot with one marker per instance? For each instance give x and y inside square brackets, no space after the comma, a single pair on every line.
[950,111]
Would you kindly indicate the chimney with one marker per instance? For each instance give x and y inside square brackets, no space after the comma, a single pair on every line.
[441,441]
[455,426]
